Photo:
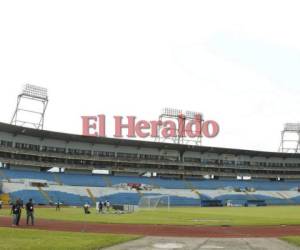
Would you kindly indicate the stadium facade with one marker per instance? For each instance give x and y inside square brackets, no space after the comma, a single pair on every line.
[189,175]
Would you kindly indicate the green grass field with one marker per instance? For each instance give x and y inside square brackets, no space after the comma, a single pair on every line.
[40,239]
[16,239]
[295,240]
[277,215]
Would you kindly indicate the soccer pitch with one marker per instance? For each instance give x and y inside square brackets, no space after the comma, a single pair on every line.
[233,216]
[25,239]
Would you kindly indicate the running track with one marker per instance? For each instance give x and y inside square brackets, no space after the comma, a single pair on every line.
[161,230]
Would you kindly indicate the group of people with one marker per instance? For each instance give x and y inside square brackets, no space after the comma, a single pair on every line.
[103,206]
[57,205]
[16,211]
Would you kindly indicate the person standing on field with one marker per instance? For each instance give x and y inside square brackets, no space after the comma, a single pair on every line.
[101,204]
[57,207]
[107,206]
[16,212]
[20,204]
[30,212]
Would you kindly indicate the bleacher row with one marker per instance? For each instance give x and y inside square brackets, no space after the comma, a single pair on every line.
[134,198]
[75,199]
[97,180]
[74,189]
[55,196]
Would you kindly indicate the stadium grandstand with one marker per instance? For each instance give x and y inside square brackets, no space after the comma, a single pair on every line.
[91,169]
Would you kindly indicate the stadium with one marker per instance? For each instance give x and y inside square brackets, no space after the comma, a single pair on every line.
[172,191]
[189,175]
[154,125]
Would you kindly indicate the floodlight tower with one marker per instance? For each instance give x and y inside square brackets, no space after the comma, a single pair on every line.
[290,138]
[176,115]
[31,107]
[197,117]
[173,114]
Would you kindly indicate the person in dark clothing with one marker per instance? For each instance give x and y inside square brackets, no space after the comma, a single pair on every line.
[30,212]
[100,206]
[105,206]
[20,204]
[16,212]
[57,207]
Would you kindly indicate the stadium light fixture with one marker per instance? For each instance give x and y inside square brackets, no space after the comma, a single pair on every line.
[290,138]
[171,112]
[294,127]
[192,114]
[181,118]
[33,113]
[35,91]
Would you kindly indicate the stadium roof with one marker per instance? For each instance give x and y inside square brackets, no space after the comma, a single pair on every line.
[18,130]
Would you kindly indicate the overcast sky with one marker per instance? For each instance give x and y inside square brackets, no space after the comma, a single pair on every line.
[237,62]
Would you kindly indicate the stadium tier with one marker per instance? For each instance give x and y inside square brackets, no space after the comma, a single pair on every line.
[76,189]
[188,175]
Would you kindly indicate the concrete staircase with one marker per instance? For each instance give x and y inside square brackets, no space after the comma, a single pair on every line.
[192,188]
[286,198]
[250,196]
[4,176]
[107,181]
[45,195]
[92,197]
[57,179]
